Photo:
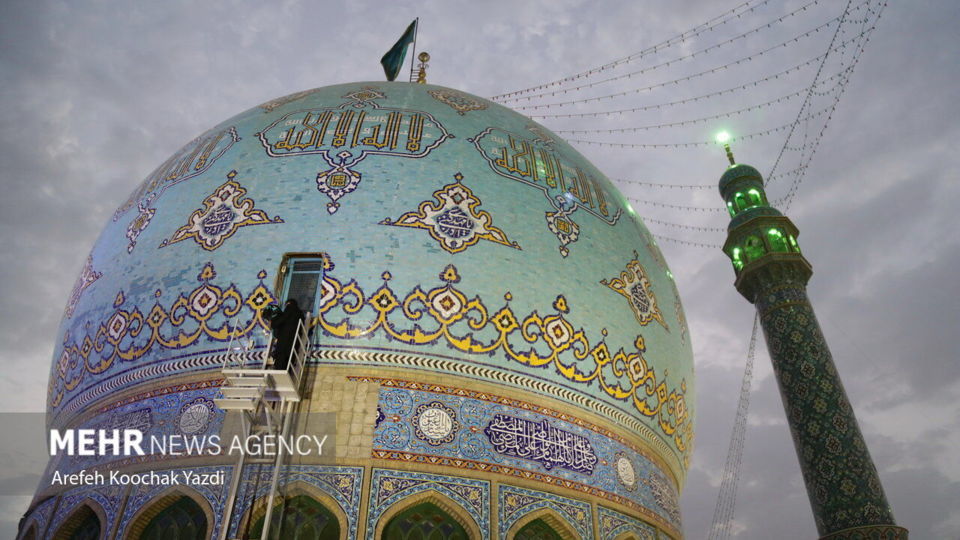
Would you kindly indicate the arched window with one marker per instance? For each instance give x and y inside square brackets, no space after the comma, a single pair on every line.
[177,512]
[542,524]
[537,529]
[740,202]
[793,244]
[183,519]
[755,198]
[737,257]
[777,240]
[753,248]
[83,524]
[424,521]
[303,518]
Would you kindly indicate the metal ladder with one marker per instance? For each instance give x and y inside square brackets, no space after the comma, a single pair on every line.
[265,399]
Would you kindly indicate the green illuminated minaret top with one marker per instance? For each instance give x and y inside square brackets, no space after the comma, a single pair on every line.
[845,493]
[758,235]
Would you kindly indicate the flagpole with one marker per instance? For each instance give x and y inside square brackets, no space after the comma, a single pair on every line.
[416,30]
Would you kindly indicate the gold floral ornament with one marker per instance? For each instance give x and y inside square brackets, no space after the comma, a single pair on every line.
[454,220]
[636,288]
[217,313]
[87,277]
[457,101]
[223,212]
[279,102]
[447,315]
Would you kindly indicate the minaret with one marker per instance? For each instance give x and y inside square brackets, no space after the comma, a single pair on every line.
[842,483]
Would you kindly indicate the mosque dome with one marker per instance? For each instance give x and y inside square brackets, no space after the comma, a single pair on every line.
[737,171]
[454,256]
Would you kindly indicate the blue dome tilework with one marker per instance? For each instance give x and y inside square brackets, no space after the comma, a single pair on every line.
[454,232]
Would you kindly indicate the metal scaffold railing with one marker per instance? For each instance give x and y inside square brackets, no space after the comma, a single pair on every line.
[265,399]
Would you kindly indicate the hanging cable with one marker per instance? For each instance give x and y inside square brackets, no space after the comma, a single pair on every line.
[858,52]
[687,242]
[695,99]
[675,81]
[682,226]
[722,523]
[701,143]
[719,20]
[689,56]
[689,122]
[846,11]
[673,186]
[677,206]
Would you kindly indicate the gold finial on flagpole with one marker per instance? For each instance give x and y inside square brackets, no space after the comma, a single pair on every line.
[424,57]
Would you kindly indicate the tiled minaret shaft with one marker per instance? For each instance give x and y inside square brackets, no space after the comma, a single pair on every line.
[845,493]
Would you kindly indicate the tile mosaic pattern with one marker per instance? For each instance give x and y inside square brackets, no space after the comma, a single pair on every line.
[389,487]
[445,314]
[460,102]
[185,410]
[454,220]
[224,211]
[516,502]
[490,433]
[341,483]
[194,159]
[613,524]
[334,162]
[212,311]
[87,276]
[842,481]
[870,532]
[390,143]
[634,285]
[41,515]
[359,128]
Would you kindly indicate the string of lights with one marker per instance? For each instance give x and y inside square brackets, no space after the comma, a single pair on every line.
[800,139]
[692,121]
[682,226]
[688,186]
[694,144]
[715,22]
[689,56]
[687,242]
[678,206]
[807,99]
[751,84]
[858,51]
[672,186]
[722,523]
[669,83]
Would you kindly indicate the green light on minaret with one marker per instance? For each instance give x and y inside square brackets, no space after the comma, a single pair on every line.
[724,138]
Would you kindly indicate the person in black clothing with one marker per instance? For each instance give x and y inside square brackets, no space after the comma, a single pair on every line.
[284,327]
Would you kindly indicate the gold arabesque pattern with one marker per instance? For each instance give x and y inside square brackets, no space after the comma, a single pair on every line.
[445,315]
[127,334]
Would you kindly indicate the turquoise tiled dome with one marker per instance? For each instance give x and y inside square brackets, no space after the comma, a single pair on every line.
[451,235]
[739,170]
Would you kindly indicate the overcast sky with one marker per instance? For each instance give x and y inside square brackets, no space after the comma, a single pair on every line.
[96,94]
